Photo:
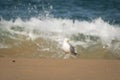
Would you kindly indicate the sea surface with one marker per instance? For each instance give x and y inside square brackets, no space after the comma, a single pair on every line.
[37,28]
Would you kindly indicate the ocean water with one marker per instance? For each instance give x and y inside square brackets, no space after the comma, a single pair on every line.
[37,28]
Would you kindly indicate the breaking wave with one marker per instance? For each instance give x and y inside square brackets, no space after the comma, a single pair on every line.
[43,37]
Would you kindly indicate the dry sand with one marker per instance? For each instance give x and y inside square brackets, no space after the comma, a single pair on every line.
[58,69]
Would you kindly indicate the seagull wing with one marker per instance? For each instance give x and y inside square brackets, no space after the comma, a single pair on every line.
[72,50]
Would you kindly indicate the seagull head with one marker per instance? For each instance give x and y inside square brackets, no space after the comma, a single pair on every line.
[66,40]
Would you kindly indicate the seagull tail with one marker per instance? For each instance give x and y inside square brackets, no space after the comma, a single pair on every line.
[75,53]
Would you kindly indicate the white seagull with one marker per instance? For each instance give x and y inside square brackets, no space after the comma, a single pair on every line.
[68,48]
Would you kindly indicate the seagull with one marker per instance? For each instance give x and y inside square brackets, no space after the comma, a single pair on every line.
[68,48]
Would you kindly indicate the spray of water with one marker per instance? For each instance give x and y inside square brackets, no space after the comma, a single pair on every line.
[82,33]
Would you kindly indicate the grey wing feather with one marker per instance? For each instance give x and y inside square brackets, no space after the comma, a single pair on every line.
[72,49]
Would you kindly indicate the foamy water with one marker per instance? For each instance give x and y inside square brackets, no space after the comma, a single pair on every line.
[83,34]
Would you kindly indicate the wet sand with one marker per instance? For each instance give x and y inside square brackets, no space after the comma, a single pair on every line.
[58,69]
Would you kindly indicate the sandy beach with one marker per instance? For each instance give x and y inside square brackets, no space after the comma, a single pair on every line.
[58,69]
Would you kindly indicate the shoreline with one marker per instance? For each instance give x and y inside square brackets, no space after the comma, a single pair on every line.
[59,69]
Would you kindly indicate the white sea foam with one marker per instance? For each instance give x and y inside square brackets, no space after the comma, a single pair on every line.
[4,46]
[57,29]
